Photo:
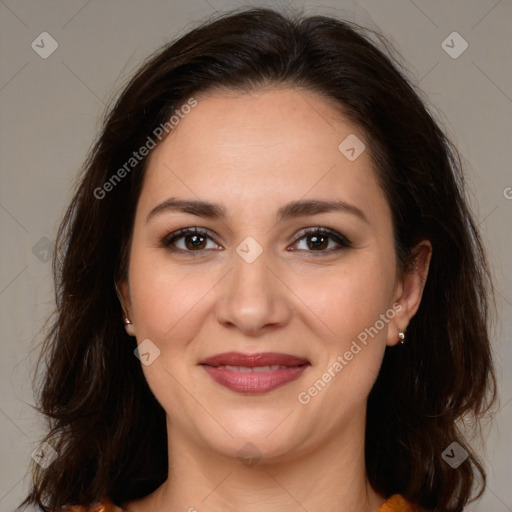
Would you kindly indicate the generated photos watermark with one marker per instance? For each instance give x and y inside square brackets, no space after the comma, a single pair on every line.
[304,397]
[137,156]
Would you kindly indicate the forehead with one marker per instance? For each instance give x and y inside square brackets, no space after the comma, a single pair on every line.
[234,124]
[282,144]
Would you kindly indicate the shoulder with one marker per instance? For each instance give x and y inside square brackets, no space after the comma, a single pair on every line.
[105,505]
[398,503]
[395,503]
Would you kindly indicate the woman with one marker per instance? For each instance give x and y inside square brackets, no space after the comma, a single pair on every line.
[271,292]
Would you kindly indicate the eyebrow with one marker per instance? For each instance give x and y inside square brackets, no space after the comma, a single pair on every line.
[291,210]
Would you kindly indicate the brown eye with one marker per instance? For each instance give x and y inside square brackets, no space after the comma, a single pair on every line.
[317,241]
[320,239]
[194,240]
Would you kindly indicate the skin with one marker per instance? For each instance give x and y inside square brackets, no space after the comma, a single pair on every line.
[253,153]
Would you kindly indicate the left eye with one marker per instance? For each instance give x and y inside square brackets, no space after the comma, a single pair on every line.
[316,240]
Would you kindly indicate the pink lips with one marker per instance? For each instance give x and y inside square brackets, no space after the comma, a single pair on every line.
[254,373]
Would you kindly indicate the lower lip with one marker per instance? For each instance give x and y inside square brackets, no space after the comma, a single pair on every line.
[254,382]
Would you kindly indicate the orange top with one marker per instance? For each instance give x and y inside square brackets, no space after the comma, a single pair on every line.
[397,504]
[394,504]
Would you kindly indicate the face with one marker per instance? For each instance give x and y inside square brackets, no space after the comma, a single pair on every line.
[270,269]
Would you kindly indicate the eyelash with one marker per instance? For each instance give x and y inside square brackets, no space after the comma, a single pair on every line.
[344,243]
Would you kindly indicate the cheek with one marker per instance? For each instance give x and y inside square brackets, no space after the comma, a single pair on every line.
[165,297]
[352,305]
[347,301]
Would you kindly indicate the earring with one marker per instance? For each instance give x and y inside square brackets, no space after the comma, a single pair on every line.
[401,336]
[129,327]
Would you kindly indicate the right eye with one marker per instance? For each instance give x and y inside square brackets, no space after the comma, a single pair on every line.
[194,239]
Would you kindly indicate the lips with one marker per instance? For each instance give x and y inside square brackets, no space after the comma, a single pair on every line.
[254,373]
[253,360]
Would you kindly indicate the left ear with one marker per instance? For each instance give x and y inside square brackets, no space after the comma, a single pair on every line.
[409,290]
[123,294]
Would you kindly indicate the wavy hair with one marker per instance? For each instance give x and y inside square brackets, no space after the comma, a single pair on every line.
[103,420]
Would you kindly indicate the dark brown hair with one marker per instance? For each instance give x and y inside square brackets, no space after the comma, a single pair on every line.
[105,423]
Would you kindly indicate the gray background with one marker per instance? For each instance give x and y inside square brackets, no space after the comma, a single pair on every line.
[51,111]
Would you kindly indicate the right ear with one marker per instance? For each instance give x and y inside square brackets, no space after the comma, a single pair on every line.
[123,294]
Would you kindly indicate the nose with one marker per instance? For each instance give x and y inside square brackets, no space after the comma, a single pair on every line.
[252,298]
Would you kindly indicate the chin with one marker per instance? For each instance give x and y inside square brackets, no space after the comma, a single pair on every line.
[268,438]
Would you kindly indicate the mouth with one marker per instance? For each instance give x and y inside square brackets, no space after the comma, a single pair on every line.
[254,373]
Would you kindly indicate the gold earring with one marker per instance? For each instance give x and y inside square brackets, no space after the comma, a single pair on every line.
[401,335]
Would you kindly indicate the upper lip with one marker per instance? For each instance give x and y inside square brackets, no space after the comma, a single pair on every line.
[253,360]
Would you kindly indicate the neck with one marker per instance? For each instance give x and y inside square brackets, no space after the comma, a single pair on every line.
[329,477]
